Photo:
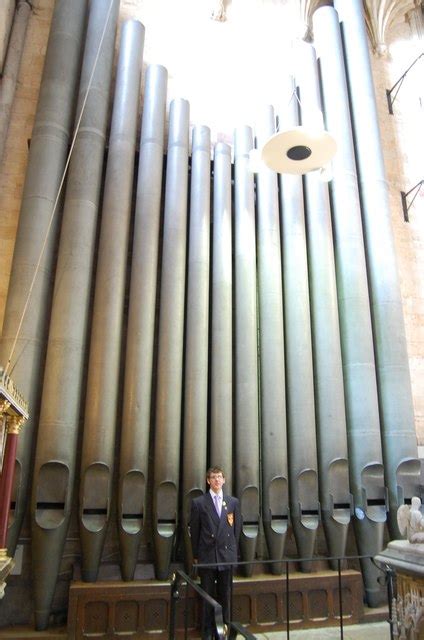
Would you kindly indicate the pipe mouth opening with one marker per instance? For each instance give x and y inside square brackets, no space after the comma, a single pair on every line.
[298,152]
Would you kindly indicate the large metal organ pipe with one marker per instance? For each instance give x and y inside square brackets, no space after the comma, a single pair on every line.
[171,333]
[335,497]
[222,316]
[54,467]
[11,66]
[365,454]
[46,161]
[246,366]
[275,496]
[101,405]
[302,447]
[197,328]
[401,463]
[137,392]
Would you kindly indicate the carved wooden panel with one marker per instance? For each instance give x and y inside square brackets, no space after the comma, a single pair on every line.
[127,616]
[242,607]
[267,607]
[113,609]
[155,614]
[95,618]
[347,603]
[318,604]
[296,606]
[189,610]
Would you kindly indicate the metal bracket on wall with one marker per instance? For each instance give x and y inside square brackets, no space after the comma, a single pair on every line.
[398,84]
[403,195]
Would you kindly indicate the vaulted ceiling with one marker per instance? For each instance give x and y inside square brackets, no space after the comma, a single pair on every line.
[380,16]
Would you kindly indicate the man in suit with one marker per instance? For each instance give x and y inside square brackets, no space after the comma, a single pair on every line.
[215,526]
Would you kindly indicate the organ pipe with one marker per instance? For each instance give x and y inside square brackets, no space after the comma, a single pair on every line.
[246,369]
[222,316]
[197,327]
[171,333]
[46,161]
[401,463]
[138,390]
[302,447]
[54,467]
[335,497]
[101,406]
[365,454]
[271,336]
[9,77]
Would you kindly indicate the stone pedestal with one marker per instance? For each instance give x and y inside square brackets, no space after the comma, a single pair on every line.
[407,614]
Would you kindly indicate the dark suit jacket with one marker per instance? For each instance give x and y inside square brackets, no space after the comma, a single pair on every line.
[214,538]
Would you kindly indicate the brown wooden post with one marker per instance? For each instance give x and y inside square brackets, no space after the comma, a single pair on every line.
[13,413]
[13,425]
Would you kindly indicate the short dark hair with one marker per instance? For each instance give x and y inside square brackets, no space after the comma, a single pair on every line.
[212,470]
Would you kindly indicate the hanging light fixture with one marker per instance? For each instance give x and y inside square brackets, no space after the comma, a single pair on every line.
[298,150]
[301,148]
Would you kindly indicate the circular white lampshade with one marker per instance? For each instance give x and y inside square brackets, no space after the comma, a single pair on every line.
[298,150]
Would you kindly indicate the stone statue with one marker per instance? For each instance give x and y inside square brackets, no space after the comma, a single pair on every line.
[411,521]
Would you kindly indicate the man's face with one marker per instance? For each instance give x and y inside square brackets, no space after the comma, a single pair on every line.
[216,481]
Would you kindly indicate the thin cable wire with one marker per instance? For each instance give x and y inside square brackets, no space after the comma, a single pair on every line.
[293,93]
[68,159]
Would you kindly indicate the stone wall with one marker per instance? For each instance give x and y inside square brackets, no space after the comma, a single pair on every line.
[403,140]
[13,165]
[6,18]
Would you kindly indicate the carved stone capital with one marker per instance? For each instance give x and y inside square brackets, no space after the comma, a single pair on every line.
[218,11]
[307,8]
[4,406]
[17,405]
[381,15]
[6,566]
[14,424]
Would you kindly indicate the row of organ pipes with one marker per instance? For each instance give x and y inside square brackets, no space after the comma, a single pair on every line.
[263,332]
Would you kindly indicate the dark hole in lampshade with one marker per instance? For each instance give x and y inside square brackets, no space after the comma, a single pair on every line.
[299,152]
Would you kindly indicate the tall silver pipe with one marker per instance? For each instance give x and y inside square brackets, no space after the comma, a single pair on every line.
[222,317]
[365,454]
[197,327]
[101,407]
[275,496]
[10,73]
[401,464]
[246,348]
[46,162]
[141,324]
[54,467]
[171,333]
[302,447]
[335,497]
